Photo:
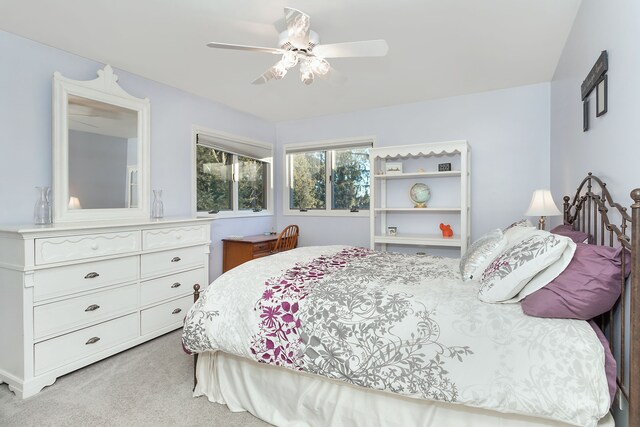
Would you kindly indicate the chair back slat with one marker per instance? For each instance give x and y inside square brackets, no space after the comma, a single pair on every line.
[288,239]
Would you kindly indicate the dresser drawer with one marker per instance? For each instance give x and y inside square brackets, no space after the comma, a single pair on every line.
[68,348]
[163,315]
[172,286]
[72,248]
[83,310]
[177,236]
[60,281]
[171,261]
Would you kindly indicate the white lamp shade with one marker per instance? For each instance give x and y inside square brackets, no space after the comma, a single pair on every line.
[542,204]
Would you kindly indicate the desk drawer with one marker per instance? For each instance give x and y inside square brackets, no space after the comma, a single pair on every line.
[170,237]
[68,348]
[83,310]
[60,281]
[163,315]
[171,261]
[262,247]
[172,286]
[73,248]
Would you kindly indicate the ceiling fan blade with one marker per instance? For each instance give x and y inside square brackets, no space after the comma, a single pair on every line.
[243,47]
[352,49]
[298,24]
[265,77]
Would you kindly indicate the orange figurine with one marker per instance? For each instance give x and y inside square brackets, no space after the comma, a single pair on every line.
[446,230]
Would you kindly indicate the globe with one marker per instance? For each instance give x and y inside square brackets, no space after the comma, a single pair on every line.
[420,195]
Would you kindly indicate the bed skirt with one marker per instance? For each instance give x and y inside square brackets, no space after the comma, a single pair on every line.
[287,398]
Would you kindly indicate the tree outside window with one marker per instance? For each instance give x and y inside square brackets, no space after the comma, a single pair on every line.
[347,170]
[228,182]
[214,179]
[252,184]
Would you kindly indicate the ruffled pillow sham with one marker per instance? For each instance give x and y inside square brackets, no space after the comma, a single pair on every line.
[510,271]
[481,253]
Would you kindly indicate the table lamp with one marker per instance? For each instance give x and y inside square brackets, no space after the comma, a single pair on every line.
[542,205]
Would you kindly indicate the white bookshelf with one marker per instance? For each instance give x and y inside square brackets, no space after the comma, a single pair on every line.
[449,203]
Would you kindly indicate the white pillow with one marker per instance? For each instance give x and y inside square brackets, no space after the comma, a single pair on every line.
[517,231]
[543,278]
[510,271]
[481,253]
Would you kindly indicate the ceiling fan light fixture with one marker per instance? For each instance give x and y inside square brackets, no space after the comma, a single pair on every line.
[306,77]
[319,66]
[306,73]
[279,70]
[289,59]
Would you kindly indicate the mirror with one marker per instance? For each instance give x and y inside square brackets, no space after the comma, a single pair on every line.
[100,150]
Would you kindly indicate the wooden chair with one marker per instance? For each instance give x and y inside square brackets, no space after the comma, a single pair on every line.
[288,239]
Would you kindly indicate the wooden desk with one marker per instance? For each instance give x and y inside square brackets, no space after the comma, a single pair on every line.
[236,252]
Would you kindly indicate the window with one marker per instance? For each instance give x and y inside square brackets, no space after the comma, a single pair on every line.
[328,178]
[232,175]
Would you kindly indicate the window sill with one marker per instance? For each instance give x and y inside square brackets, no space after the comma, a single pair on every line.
[229,215]
[360,214]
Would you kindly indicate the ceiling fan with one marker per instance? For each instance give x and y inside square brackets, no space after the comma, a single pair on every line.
[299,45]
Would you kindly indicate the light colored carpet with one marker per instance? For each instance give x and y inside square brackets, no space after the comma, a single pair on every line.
[148,385]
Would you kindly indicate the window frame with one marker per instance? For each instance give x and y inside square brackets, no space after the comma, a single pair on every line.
[244,144]
[329,146]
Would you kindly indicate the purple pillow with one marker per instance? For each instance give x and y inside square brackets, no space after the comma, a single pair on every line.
[610,367]
[588,287]
[575,235]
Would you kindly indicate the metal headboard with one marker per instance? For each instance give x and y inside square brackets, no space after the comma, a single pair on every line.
[592,211]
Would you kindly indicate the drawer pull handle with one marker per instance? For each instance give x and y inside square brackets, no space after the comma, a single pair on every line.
[92,340]
[176,311]
[175,259]
[92,307]
[179,236]
[175,285]
[94,246]
[91,275]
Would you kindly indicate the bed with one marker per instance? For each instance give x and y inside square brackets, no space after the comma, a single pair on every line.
[341,335]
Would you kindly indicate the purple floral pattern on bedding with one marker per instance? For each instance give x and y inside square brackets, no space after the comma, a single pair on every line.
[333,318]
[278,340]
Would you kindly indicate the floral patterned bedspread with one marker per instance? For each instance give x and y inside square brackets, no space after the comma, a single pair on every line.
[404,324]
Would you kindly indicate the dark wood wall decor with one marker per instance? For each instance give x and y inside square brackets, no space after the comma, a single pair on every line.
[597,77]
[601,96]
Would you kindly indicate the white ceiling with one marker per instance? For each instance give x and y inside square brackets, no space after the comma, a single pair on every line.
[437,48]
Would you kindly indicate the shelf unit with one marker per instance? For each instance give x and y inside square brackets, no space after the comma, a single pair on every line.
[449,203]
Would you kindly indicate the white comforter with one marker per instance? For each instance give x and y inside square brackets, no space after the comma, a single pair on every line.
[403,324]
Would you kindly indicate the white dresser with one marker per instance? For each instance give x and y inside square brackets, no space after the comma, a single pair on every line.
[72,294]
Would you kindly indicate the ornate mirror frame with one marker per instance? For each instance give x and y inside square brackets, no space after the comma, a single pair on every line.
[104,89]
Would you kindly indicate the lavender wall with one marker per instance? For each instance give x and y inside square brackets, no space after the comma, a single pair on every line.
[26,70]
[508,131]
[610,148]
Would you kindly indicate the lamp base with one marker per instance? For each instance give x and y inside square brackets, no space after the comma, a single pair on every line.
[541,223]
